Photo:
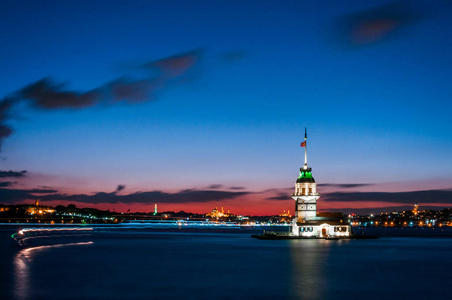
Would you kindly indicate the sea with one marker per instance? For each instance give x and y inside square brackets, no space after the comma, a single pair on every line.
[152,262]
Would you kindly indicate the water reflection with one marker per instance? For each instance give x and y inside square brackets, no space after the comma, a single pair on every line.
[309,260]
[22,264]
[26,236]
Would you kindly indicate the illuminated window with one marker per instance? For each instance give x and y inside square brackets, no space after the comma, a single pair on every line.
[303,191]
[310,190]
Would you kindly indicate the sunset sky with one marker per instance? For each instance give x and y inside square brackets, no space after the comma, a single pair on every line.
[201,104]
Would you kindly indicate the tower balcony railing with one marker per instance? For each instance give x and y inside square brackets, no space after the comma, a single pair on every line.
[311,194]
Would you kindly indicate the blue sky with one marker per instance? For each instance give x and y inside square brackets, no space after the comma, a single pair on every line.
[370,80]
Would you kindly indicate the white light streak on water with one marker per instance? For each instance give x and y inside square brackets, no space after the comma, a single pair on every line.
[22,262]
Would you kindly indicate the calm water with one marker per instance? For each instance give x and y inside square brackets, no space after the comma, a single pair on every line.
[224,264]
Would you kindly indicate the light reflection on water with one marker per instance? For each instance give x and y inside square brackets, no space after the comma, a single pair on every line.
[22,263]
[193,264]
[312,267]
[308,268]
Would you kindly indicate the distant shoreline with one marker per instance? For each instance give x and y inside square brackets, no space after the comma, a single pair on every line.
[404,231]
[367,231]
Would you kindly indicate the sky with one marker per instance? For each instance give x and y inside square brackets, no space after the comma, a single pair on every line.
[193,105]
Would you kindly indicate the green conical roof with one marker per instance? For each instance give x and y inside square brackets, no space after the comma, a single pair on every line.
[305,176]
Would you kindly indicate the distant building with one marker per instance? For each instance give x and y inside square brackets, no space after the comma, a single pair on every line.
[4,208]
[284,214]
[307,221]
[39,210]
[216,214]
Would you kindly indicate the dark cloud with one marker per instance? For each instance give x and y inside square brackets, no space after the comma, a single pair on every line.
[430,196]
[6,183]
[42,191]
[283,190]
[215,186]
[17,195]
[176,65]
[132,91]
[12,173]
[5,130]
[345,185]
[376,24]
[237,188]
[120,188]
[187,190]
[280,196]
[184,196]
[48,94]
[12,195]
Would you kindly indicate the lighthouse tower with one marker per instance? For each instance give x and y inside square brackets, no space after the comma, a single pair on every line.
[308,223]
[305,195]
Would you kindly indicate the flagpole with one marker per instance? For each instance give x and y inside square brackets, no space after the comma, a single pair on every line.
[305,148]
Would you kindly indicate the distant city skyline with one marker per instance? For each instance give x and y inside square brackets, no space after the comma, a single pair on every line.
[197,105]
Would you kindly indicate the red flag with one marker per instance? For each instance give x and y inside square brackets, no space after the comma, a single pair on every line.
[303,144]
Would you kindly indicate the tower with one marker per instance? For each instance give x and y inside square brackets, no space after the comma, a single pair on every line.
[305,195]
[307,222]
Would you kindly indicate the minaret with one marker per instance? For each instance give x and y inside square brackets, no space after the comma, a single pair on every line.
[305,195]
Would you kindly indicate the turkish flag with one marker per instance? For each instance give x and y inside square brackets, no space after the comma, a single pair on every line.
[303,144]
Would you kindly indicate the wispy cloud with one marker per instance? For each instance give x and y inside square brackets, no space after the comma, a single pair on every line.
[5,130]
[376,24]
[237,188]
[176,65]
[12,173]
[345,185]
[279,196]
[49,94]
[215,186]
[391,198]
[17,195]
[218,192]
[183,196]
[120,187]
